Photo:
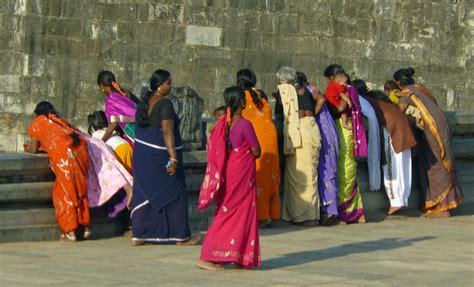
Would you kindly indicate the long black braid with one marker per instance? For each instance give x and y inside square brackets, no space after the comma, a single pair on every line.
[233,97]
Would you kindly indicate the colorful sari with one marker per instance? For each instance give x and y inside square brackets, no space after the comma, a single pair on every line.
[438,176]
[268,165]
[121,110]
[105,178]
[70,164]
[358,130]
[349,199]
[159,207]
[327,167]
[230,180]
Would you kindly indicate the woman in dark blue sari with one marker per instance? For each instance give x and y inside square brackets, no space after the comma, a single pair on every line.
[159,211]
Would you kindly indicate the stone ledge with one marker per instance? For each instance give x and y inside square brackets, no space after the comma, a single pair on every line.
[26,192]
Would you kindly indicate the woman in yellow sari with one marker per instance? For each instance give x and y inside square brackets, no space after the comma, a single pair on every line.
[438,178]
[259,112]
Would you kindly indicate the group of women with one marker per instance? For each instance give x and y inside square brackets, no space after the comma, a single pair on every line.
[318,139]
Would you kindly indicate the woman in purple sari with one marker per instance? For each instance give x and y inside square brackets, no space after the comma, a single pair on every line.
[120,107]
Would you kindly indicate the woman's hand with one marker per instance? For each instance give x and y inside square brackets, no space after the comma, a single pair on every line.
[173,167]
[26,146]
[31,146]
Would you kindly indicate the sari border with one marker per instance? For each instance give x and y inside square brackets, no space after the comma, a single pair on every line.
[155,146]
[160,240]
[138,207]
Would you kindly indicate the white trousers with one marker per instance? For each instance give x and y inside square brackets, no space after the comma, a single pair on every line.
[397,173]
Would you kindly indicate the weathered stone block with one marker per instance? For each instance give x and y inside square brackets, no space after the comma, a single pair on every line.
[205,36]
[204,16]
[161,12]
[9,83]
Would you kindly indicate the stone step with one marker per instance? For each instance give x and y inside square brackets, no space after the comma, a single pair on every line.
[51,232]
[23,222]
[462,123]
[13,164]
[26,192]
[26,216]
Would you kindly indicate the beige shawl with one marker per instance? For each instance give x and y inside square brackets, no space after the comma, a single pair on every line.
[291,121]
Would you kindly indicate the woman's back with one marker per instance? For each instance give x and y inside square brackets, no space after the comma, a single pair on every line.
[243,133]
[52,132]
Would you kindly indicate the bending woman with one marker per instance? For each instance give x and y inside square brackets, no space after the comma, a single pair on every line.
[327,167]
[259,112]
[67,151]
[398,141]
[349,199]
[438,178]
[159,203]
[302,143]
[120,107]
[230,180]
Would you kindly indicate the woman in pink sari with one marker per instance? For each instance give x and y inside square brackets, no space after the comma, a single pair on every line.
[120,107]
[230,180]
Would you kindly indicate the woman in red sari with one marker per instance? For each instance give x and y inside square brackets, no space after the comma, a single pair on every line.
[230,179]
[67,151]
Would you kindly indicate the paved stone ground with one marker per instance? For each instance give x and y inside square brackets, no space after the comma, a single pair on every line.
[400,251]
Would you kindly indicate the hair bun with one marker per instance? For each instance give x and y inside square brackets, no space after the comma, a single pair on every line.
[410,72]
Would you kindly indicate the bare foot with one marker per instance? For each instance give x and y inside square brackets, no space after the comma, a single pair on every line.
[361,220]
[127,234]
[138,242]
[392,210]
[68,237]
[129,190]
[206,265]
[444,214]
[193,241]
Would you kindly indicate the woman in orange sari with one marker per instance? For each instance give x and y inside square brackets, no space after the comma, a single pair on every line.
[67,151]
[259,112]
[438,177]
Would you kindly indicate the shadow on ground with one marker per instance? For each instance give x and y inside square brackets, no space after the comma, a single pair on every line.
[303,257]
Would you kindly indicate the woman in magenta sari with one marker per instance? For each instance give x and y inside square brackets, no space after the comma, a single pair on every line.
[120,107]
[230,180]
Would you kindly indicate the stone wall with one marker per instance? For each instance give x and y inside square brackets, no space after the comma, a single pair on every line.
[53,49]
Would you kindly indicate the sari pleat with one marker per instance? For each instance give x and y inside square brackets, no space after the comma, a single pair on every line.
[349,199]
[327,167]
[268,165]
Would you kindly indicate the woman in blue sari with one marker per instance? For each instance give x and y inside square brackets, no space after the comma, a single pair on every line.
[159,211]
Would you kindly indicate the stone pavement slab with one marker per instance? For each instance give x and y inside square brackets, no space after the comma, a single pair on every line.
[400,251]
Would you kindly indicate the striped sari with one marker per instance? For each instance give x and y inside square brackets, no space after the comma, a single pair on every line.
[438,176]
